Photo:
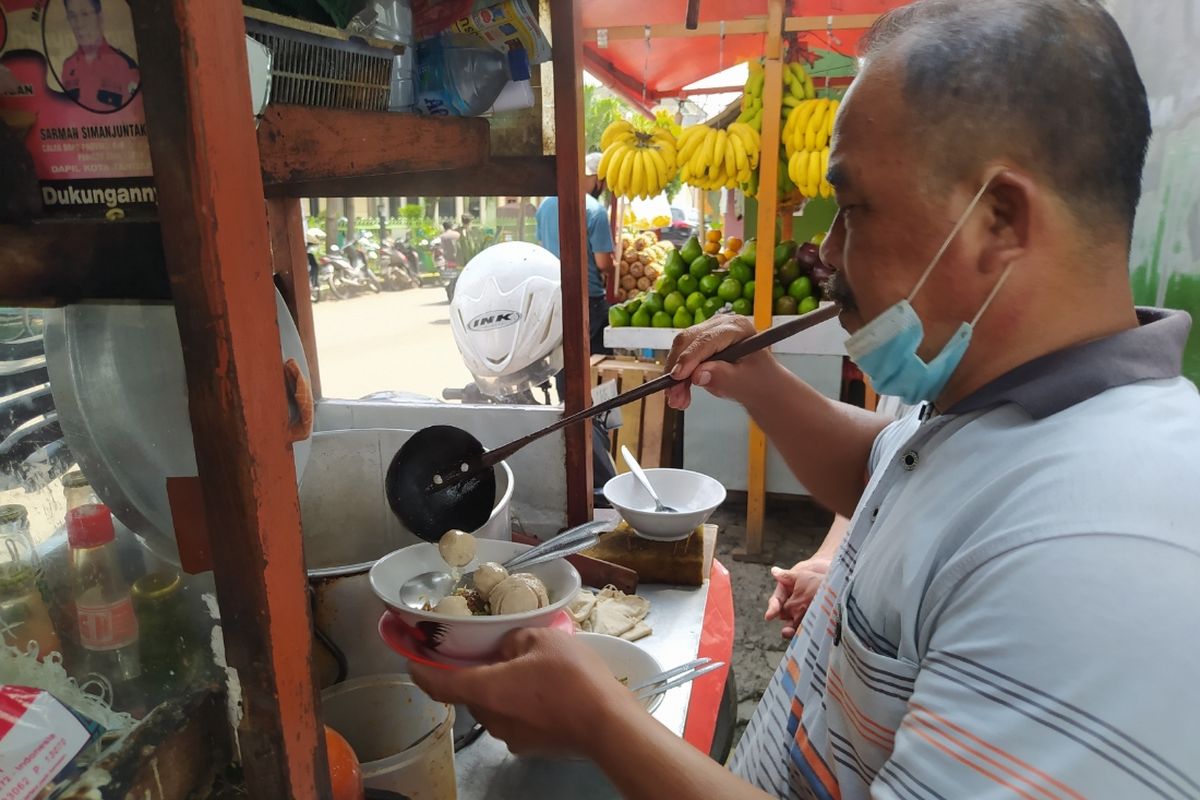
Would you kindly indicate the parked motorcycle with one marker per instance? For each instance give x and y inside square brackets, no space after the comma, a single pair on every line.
[397,271]
[344,277]
[362,251]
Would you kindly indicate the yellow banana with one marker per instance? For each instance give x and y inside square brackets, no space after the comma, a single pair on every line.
[688,147]
[814,124]
[804,116]
[688,133]
[704,155]
[791,166]
[654,181]
[745,133]
[755,140]
[662,174]
[826,189]
[606,160]
[831,114]
[731,165]
[824,172]
[626,172]
[637,175]
[739,132]
[821,140]
[664,140]
[739,152]
[615,130]
[687,143]
[814,174]
[714,166]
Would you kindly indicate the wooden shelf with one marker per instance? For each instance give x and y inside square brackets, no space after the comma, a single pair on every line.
[510,176]
[322,148]
[53,262]
[304,152]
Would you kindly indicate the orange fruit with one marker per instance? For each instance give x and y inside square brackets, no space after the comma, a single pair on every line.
[345,776]
[733,243]
[712,248]
[713,236]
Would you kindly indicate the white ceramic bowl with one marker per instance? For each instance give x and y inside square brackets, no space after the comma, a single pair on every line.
[696,496]
[469,638]
[625,660]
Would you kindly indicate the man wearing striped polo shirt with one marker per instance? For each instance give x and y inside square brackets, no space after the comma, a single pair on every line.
[1014,609]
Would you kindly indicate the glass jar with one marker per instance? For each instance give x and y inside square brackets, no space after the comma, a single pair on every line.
[24,618]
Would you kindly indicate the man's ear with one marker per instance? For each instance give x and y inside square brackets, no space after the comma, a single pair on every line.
[1009,203]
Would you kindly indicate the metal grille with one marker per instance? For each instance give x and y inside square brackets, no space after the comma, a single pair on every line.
[311,70]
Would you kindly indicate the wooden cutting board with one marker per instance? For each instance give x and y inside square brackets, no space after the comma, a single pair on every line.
[682,563]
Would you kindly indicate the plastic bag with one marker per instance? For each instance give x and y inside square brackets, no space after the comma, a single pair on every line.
[39,739]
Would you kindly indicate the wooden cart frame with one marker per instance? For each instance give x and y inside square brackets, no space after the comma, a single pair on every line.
[229,229]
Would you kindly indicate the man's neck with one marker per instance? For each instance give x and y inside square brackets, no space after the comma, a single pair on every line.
[1080,309]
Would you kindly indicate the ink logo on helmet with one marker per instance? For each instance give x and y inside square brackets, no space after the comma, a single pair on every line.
[494,320]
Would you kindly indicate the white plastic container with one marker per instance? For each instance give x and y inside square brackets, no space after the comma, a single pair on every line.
[404,740]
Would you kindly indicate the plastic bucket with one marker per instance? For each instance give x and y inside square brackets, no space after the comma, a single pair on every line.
[404,740]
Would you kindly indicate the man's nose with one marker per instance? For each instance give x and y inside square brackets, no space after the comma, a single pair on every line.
[831,247]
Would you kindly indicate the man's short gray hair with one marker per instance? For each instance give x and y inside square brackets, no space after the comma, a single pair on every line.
[1051,84]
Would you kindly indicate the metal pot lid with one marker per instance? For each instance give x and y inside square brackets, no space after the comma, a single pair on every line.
[117,376]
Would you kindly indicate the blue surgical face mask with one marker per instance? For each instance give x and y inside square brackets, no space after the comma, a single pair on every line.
[886,347]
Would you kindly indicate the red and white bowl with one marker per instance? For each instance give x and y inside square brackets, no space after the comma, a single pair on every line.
[468,638]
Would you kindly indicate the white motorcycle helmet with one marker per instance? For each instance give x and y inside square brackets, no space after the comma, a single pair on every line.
[506,316]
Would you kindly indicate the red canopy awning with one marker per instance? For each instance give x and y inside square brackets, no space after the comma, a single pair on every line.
[672,60]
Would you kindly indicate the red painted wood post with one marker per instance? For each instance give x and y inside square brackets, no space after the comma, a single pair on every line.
[214,229]
[567,35]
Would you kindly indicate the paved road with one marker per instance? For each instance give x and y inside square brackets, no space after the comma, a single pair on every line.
[396,341]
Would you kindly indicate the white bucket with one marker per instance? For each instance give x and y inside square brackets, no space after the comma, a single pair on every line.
[404,740]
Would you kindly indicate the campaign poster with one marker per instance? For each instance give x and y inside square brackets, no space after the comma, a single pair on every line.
[71,83]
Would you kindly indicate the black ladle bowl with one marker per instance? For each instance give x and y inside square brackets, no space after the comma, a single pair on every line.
[466,505]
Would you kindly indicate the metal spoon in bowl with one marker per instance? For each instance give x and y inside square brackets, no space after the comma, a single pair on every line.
[659,506]
[430,587]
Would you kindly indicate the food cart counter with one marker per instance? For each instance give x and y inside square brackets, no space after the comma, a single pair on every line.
[688,622]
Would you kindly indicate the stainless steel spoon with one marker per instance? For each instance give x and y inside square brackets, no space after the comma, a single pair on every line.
[636,469]
[430,587]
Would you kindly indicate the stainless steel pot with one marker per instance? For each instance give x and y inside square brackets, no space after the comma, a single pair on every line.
[117,376]
[348,526]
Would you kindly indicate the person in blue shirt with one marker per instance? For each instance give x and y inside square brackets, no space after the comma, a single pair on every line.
[599,247]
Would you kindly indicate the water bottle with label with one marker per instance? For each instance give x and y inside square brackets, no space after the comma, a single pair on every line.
[458,76]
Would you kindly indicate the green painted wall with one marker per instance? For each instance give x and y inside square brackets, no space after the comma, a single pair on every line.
[817,217]
[1165,258]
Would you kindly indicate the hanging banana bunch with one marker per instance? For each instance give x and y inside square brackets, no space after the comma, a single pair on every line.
[806,137]
[636,163]
[713,158]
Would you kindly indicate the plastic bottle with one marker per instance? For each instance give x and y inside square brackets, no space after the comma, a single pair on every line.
[517,93]
[108,628]
[458,76]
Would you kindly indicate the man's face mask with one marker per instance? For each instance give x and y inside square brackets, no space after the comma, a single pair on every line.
[886,347]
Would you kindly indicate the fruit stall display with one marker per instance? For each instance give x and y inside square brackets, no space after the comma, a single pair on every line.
[640,157]
[700,280]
